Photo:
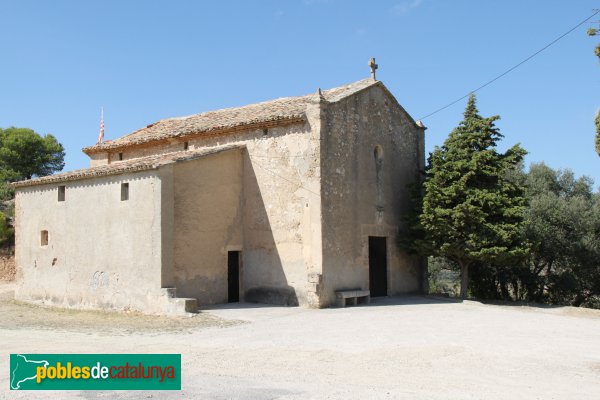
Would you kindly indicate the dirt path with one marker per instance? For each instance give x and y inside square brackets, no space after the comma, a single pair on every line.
[7,267]
[398,348]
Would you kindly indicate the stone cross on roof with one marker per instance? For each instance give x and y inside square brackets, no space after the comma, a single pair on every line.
[373,67]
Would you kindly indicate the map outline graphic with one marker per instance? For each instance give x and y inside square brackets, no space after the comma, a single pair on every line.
[18,385]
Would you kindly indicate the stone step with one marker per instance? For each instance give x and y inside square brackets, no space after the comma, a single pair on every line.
[170,292]
[182,305]
[179,305]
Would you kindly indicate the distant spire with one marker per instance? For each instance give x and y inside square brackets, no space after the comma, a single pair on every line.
[373,67]
[101,135]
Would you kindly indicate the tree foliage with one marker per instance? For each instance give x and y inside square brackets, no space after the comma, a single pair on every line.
[598,133]
[562,224]
[6,232]
[472,213]
[25,154]
[6,191]
[594,32]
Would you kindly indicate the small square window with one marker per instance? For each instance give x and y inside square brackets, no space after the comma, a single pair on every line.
[124,191]
[120,156]
[186,145]
[61,193]
[44,238]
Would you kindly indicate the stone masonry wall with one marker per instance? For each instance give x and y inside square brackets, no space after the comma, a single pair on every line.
[280,220]
[371,151]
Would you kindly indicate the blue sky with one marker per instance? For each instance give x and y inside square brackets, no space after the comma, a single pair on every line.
[60,61]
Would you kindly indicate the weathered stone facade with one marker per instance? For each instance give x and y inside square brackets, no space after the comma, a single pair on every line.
[291,190]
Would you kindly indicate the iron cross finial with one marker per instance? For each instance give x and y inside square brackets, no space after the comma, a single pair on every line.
[373,67]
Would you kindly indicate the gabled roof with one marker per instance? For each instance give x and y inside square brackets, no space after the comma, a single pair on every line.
[283,111]
[127,166]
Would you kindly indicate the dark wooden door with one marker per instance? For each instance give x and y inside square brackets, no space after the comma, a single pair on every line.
[233,276]
[378,266]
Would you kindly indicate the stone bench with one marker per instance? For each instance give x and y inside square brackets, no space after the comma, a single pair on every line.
[352,297]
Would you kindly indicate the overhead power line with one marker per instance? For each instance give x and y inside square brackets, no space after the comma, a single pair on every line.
[514,67]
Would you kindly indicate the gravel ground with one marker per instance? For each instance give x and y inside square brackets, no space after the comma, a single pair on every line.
[396,348]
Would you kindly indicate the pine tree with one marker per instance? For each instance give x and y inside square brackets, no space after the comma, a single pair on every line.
[24,154]
[471,211]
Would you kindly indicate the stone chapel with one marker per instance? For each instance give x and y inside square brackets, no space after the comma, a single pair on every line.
[284,202]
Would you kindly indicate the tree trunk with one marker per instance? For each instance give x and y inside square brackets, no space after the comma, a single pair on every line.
[516,291]
[544,282]
[504,292]
[464,280]
[579,299]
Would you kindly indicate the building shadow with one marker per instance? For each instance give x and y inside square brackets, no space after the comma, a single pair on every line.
[263,278]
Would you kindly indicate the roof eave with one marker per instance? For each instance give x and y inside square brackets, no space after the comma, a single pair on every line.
[143,164]
[59,179]
[218,131]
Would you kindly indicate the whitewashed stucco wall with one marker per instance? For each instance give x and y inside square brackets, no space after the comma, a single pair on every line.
[102,252]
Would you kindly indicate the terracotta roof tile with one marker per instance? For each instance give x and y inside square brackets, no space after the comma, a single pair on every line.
[278,111]
[127,166]
[283,110]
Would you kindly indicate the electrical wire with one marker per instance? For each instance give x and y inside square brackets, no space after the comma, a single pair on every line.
[512,68]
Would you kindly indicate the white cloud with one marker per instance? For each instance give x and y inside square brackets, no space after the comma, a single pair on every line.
[405,7]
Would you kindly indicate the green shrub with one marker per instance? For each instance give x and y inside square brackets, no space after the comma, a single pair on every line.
[443,276]
[6,191]
[6,232]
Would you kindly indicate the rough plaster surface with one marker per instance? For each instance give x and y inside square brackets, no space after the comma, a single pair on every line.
[365,190]
[263,201]
[207,195]
[102,252]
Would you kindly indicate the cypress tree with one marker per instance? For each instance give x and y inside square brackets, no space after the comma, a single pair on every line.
[472,212]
